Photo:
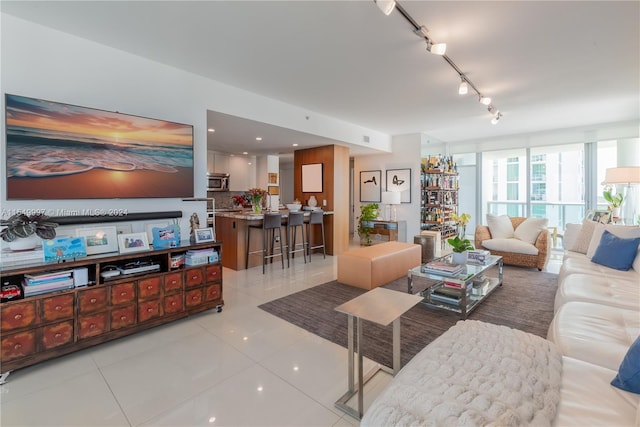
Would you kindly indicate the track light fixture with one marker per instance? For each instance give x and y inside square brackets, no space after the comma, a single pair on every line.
[463,89]
[387,6]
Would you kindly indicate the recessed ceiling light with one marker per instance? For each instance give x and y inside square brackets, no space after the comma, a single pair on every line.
[258,138]
[245,153]
[295,145]
[211,130]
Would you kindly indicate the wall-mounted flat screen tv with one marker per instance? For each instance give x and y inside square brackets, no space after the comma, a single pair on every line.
[62,151]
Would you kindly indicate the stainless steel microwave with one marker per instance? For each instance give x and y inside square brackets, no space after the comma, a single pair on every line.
[218,182]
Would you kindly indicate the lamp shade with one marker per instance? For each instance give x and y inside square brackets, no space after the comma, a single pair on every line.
[623,175]
[391,198]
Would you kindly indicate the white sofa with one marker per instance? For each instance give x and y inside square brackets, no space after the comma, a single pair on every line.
[597,318]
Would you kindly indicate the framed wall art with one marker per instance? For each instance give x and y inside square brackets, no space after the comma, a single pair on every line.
[601,216]
[99,240]
[312,178]
[400,180]
[371,186]
[133,242]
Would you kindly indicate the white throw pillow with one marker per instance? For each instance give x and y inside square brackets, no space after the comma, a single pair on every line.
[514,246]
[583,240]
[530,229]
[622,231]
[500,226]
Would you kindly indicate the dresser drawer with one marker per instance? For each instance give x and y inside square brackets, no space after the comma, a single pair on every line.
[56,308]
[15,316]
[92,300]
[18,345]
[92,325]
[123,293]
[149,288]
[173,281]
[173,303]
[123,316]
[149,310]
[57,334]
[194,277]
[212,293]
[214,273]
[194,297]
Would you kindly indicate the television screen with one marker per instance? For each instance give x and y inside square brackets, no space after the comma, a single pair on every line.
[62,151]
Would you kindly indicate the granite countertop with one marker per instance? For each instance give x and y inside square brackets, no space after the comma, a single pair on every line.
[250,216]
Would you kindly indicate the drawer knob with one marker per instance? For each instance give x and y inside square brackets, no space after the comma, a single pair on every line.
[18,316]
[58,307]
[58,335]
[92,326]
[194,277]
[93,300]
[150,287]
[17,346]
[195,297]
[173,303]
[123,294]
[149,310]
[123,317]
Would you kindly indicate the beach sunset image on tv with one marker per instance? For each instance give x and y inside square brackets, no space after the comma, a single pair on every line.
[62,151]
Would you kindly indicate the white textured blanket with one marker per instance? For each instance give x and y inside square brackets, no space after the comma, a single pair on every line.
[474,374]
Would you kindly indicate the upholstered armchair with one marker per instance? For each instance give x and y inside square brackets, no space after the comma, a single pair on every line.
[517,249]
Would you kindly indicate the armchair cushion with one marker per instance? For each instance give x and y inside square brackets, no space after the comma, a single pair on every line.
[510,245]
[500,226]
[530,228]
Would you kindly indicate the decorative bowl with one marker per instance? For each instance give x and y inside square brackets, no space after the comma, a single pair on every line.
[294,207]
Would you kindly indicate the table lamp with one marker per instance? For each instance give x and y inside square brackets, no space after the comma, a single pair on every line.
[625,175]
[391,198]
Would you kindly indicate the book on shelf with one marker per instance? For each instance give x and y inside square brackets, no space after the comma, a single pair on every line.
[445,299]
[30,290]
[448,292]
[49,275]
[442,268]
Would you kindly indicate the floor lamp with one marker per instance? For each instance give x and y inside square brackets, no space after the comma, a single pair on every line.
[391,198]
[628,175]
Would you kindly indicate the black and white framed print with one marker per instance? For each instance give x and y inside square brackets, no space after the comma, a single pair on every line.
[371,186]
[400,180]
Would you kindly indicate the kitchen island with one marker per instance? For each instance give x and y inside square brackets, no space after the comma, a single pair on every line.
[231,229]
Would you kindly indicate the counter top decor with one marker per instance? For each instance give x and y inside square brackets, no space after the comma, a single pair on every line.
[256,195]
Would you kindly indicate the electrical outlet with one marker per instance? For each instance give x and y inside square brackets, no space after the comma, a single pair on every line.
[324,202]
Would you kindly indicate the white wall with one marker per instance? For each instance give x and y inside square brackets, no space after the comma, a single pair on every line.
[39,62]
[405,154]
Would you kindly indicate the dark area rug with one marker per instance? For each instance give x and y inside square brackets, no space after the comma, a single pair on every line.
[525,302]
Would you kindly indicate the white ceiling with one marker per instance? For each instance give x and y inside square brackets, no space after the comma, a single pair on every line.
[546,64]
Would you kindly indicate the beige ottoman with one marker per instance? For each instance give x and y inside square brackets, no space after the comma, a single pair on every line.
[371,266]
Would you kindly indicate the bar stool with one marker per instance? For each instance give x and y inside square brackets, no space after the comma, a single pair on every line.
[296,219]
[270,224]
[317,218]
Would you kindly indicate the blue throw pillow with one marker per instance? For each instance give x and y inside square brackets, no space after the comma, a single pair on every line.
[628,377]
[615,252]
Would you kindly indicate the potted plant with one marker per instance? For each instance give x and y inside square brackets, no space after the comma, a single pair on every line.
[614,201]
[21,231]
[256,195]
[460,248]
[462,222]
[367,214]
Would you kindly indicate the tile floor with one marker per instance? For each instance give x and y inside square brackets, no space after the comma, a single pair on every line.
[240,367]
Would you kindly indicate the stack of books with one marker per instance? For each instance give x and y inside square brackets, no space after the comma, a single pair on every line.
[480,285]
[442,268]
[447,295]
[479,257]
[47,282]
[201,256]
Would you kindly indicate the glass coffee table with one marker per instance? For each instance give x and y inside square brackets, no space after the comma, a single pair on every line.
[460,293]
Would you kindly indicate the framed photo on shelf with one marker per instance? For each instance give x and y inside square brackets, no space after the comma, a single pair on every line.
[99,240]
[205,235]
[371,186]
[400,180]
[133,242]
[601,216]
[166,237]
